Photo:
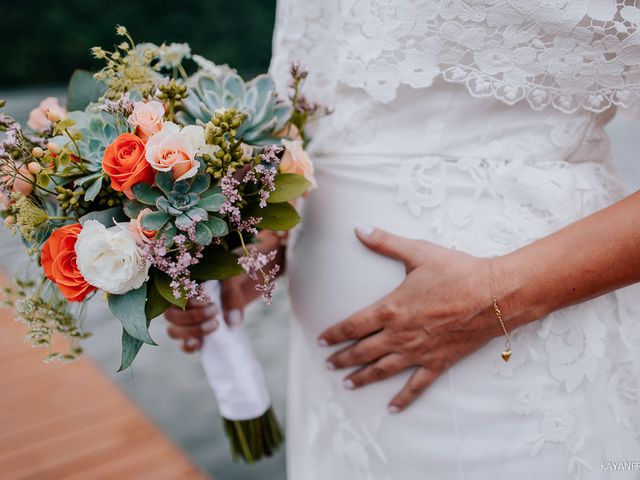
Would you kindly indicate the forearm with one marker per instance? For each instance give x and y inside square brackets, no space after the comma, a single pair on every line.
[593,256]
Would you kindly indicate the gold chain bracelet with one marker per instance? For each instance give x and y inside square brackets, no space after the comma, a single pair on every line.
[506,354]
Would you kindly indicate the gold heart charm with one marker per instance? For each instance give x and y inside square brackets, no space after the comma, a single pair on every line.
[506,355]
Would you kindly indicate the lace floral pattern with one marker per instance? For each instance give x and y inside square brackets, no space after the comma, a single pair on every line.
[570,54]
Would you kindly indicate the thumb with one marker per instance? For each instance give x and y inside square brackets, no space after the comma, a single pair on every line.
[387,244]
[232,297]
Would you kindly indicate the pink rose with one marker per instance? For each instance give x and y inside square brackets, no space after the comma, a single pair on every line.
[171,151]
[296,160]
[146,118]
[38,120]
[140,234]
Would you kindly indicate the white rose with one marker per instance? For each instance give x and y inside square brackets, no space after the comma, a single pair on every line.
[109,258]
[195,134]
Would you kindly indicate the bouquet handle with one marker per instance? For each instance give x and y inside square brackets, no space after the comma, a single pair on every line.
[237,380]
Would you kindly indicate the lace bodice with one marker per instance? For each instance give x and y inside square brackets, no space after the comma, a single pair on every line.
[569,54]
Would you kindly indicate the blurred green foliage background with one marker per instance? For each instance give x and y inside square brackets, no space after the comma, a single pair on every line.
[42,42]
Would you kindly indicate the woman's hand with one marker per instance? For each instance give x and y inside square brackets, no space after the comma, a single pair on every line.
[438,315]
[199,319]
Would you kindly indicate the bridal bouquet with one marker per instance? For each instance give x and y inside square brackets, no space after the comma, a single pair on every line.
[151,183]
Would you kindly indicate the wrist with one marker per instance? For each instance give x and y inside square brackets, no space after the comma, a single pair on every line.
[516,290]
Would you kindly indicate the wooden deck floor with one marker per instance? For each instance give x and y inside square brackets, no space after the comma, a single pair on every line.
[70,422]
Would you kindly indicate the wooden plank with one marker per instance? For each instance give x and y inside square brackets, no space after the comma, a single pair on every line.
[69,421]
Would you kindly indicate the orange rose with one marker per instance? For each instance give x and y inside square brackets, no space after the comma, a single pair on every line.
[124,162]
[59,263]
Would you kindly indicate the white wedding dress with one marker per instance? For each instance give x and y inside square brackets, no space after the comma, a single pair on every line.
[477,125]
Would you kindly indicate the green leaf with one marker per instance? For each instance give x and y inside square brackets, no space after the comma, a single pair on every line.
[218,226]
[289,186]
[144,193]
[155,220]
[156,304]
[200,183]
[217,264]
[129,308]
[43,180]
[94,189]
[212,203]
[162,282]
[164,180]
[106,217]
[130,349]
[203,234]
[132,208]
[82,90]
[276,216]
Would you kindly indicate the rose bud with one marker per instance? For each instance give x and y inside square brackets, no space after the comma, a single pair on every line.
[37,152]
[53,115]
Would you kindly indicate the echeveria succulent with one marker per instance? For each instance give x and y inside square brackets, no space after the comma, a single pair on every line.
[179,205]
[257,98]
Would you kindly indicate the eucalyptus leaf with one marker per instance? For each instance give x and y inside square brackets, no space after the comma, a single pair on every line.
[217,264]
[289,186]
[106,217]
[93,190]
[130,348]
[156,304]
[129,308]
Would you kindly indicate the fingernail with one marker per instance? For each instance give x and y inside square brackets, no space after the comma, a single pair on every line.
[211,311]
[235,317]
[209,326]
[393,409]
[348,384]
[329,365]
[322,342]
[364,229]
[192,342]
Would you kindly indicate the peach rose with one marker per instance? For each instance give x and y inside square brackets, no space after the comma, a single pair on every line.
[38,120]
[296,160]
[23,183]
[124,162]
[135,226]
[171,151]
[146,118]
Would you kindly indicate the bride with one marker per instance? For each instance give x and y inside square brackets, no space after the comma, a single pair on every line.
[474,323]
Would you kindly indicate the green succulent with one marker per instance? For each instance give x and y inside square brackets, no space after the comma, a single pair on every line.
[257,98]
[178,205]
[95,131]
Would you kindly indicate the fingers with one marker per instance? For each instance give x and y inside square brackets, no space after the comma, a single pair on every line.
[234,300]
[192,315]
[419,381]
[191,345]
[365,351]
[386,367]
[387,244]
[360,324]
[195,331]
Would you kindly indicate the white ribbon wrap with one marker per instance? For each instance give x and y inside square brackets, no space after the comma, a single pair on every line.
[233,371]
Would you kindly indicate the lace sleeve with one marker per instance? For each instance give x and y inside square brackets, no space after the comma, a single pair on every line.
[570,54]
